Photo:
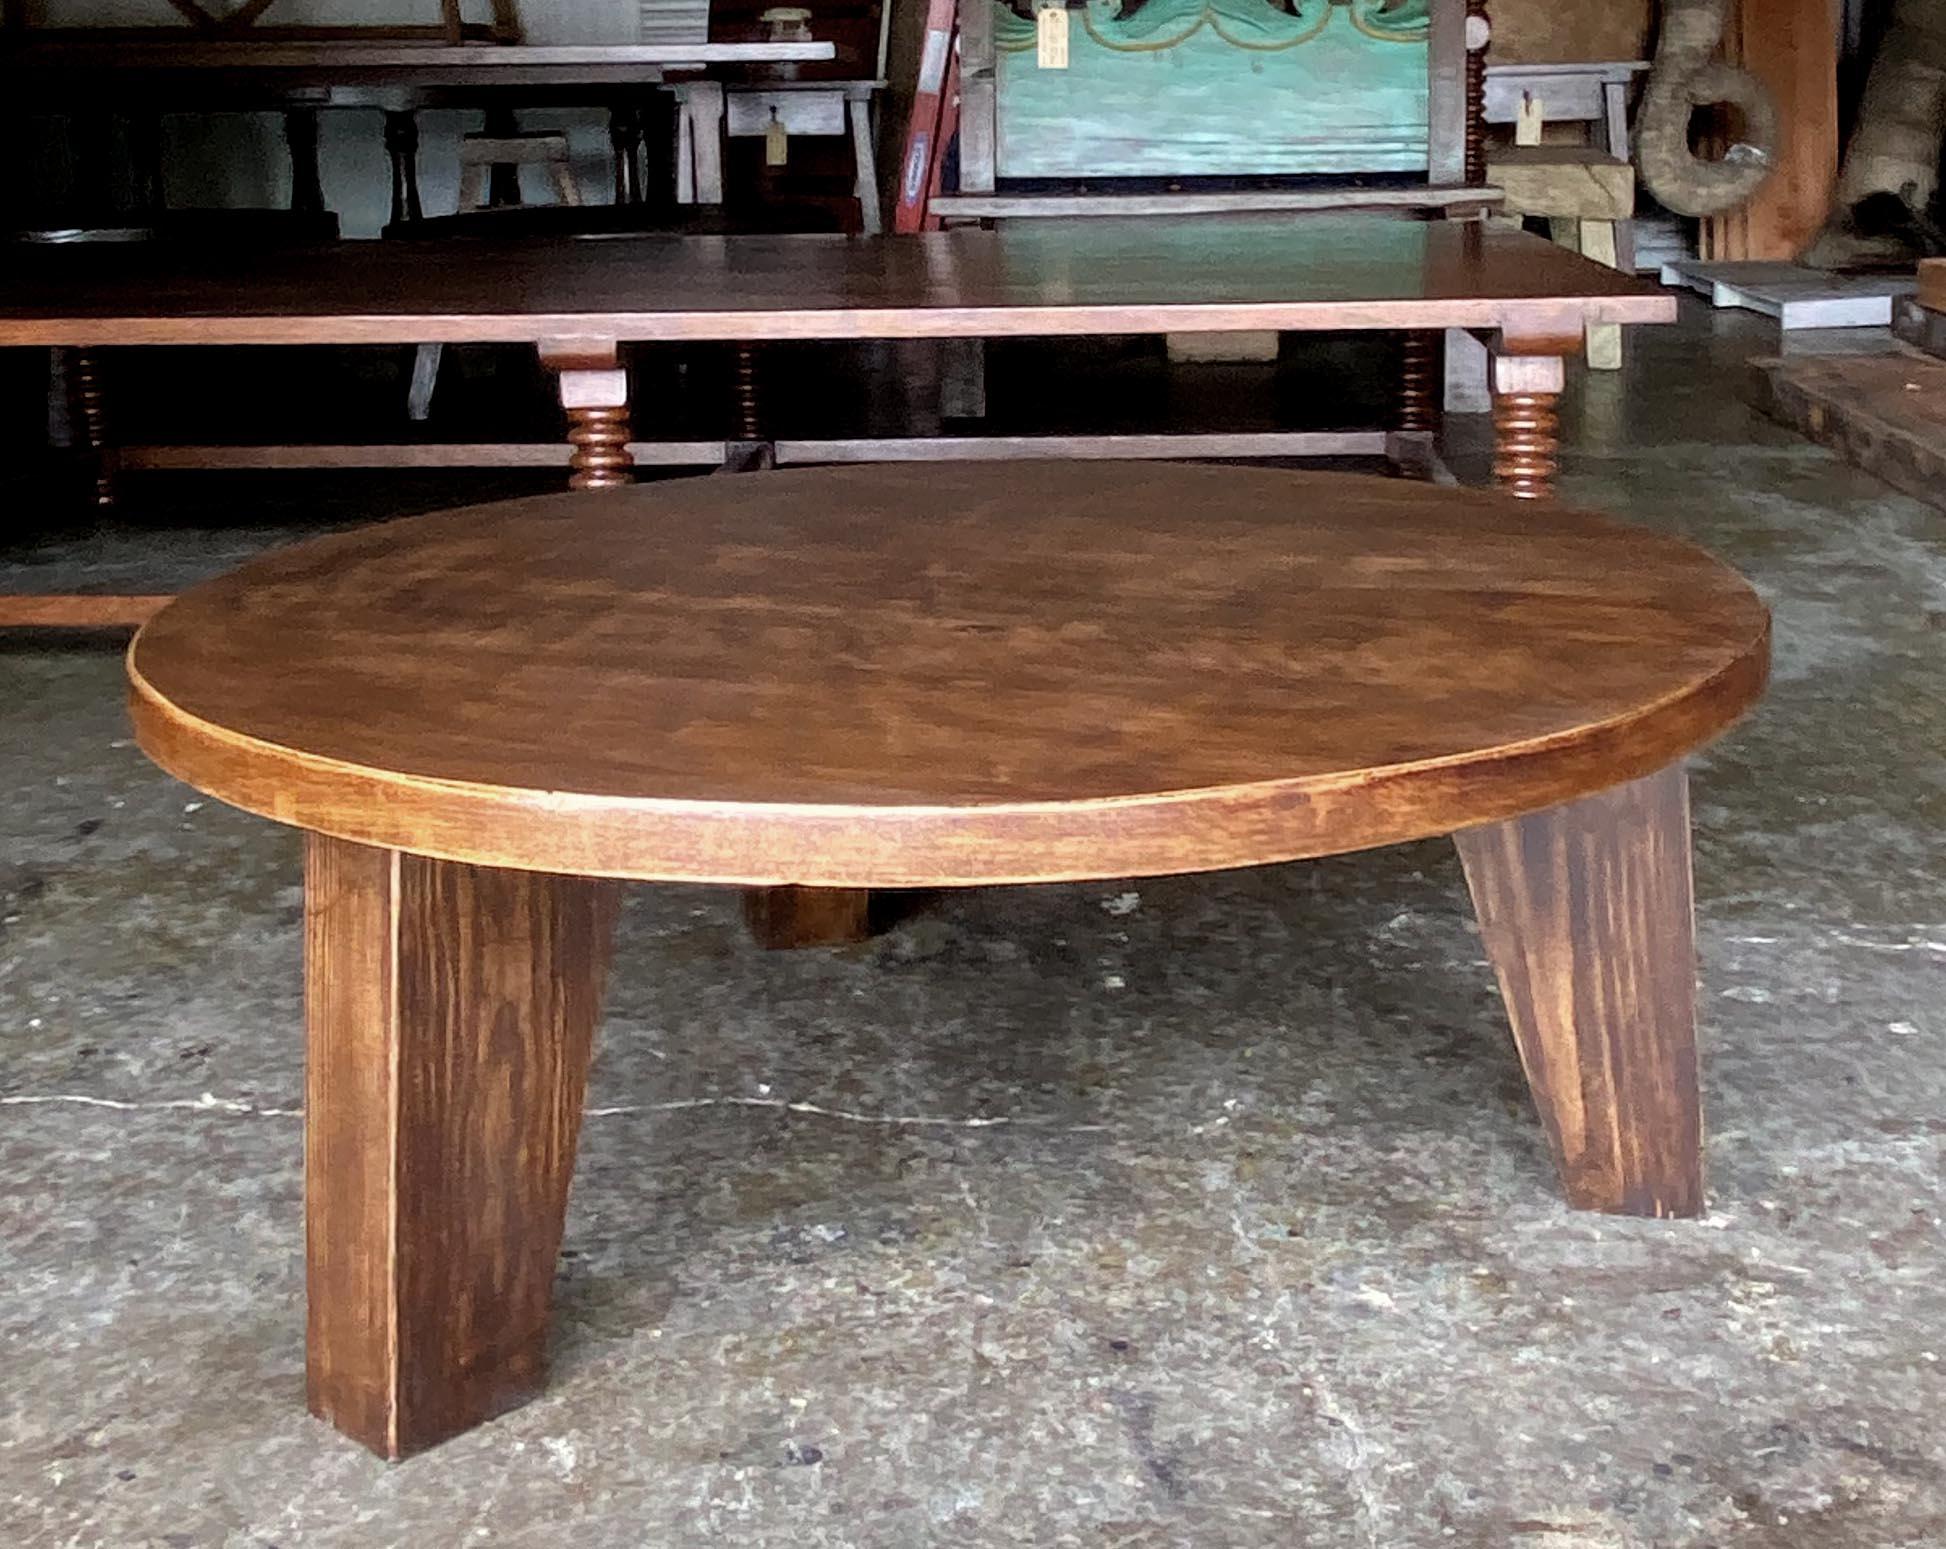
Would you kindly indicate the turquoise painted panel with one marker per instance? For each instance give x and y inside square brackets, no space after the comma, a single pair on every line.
[1188,88]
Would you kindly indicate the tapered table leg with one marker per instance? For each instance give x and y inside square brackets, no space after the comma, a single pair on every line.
[450,1012]
[1586,912]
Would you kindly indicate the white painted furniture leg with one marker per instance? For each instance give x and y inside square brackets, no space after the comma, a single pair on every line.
[1467,391]
[865,164]
[706,140]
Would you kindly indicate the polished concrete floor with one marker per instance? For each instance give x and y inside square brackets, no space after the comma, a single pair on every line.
[1193,1211]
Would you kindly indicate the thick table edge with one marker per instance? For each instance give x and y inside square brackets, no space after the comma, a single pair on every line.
[852,846]
[829,323]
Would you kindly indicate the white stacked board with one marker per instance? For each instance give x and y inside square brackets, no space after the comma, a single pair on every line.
[1797,296]
[673,21]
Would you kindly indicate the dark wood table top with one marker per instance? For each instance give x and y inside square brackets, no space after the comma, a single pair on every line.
[900,676]
[227,71]
[1098,277]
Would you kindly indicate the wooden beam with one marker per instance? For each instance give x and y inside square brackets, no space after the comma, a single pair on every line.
[1578,182]
[1792,47]
[95,610]
[1446,93]
[1422,200]
[408,454]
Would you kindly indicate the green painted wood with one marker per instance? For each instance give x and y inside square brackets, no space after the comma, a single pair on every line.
[1187,88]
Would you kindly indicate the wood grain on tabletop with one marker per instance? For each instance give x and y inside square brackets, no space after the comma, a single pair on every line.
[1100,276]
[912,676]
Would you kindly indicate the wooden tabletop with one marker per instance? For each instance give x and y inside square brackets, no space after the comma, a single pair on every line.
[43,70]
[895,676]
[1097,277]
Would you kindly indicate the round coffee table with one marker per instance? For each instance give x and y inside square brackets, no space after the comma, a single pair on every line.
[841,679]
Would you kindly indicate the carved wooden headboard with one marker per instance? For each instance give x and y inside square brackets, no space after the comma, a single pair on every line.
[1224,88]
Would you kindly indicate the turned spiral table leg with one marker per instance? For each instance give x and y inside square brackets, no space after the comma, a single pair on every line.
[1526,424]
[594,392]
[599,436]
[1418,373]
[1479,33]
[749,423]
[747,451]
[88,405]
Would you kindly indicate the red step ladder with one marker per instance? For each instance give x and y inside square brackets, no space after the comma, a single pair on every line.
[935,120]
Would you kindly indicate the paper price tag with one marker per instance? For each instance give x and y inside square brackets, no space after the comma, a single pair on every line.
[1051,37]
[777,142]
[1533,113]
[932,63]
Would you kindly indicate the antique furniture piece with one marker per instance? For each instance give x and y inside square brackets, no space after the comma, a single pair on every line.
[1586,193]
[140,81]
[77,373]
[1187,88]
[710,112]
[1192,108]
[486,151]
[245,21]
[483,158]
[1594,94]
[1221,89]
[580,302]
[672,21]
[846,678]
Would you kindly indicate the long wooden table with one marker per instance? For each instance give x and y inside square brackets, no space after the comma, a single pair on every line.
[236,75]
[139,79]
[579,302]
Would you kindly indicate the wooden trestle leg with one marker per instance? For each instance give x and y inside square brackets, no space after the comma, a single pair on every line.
[1587,914]
[450,1014]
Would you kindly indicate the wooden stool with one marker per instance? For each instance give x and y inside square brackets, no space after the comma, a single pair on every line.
[708,113]
[950,676]
[481,155]
[1595,95]
[1586,196]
